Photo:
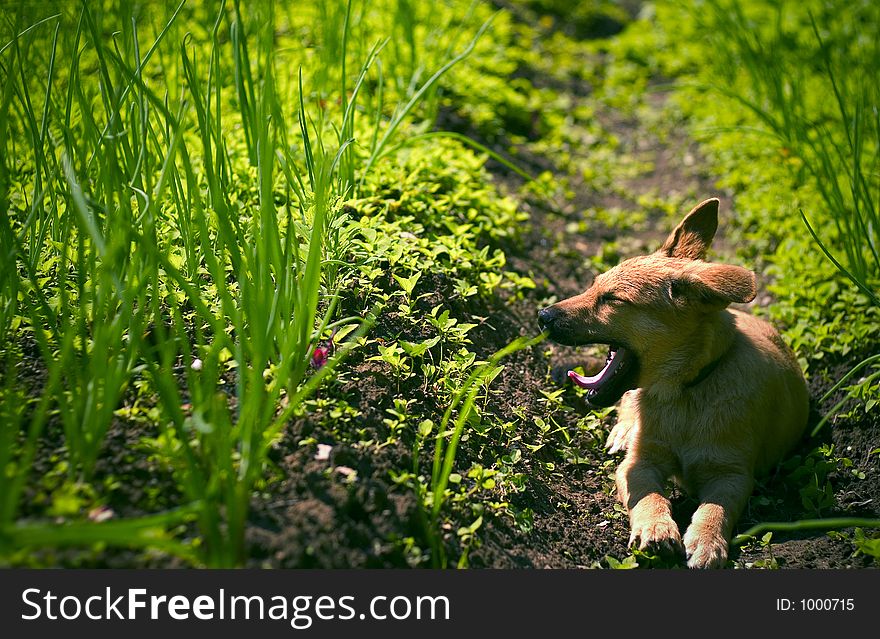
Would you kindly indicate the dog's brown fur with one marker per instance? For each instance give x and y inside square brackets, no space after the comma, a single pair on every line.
[711,432]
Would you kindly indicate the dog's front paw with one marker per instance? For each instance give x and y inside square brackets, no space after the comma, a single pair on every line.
[618,438]
[658,534]
[705,549]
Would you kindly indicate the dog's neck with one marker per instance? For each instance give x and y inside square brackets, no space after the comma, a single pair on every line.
[667,372]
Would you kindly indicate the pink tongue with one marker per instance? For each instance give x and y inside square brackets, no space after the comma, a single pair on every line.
[596,380]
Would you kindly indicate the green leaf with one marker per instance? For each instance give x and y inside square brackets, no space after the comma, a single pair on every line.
[408,284]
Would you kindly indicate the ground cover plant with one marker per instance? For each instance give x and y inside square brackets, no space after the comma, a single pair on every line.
[269,273]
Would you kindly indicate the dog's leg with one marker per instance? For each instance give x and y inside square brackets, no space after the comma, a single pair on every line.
[722,499]
[627,425]
[639,488]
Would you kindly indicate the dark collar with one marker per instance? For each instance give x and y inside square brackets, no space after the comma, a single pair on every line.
[704,372]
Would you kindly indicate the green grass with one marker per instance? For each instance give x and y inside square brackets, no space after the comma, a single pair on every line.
[149,251]
[825,116]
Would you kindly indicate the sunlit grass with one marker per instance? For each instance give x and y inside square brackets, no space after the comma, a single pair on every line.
[146,251]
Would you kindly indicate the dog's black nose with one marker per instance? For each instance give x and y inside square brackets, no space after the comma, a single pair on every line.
[546,317]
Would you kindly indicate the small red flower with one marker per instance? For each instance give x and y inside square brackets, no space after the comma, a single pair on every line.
[322,352]
[319,356]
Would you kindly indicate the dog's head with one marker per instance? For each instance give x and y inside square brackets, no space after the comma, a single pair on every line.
[648,307]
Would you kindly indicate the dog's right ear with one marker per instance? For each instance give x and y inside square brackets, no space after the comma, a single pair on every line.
[692,237]
[715,285]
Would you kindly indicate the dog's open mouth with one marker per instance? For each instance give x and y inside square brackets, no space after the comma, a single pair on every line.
[619,375]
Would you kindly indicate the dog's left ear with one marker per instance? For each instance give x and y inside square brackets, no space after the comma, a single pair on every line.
[692,237]
[714,284]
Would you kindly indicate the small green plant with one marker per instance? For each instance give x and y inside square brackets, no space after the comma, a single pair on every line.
[630,562]
[867,544]
[433,496]
[765,547]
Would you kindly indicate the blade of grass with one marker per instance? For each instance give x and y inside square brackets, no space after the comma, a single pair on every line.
[835,523]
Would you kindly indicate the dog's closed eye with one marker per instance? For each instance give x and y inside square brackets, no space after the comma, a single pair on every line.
[610,298]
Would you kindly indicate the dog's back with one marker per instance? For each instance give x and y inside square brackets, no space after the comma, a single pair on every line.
[778,406]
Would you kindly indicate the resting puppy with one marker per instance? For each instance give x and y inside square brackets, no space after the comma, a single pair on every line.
[711,396]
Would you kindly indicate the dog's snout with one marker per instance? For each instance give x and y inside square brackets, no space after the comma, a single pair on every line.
[547,316]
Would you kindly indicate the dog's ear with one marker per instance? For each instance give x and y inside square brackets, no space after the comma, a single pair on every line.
[714,284]
[692,237]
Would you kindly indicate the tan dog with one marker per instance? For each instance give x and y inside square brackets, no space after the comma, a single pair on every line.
[713,395]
